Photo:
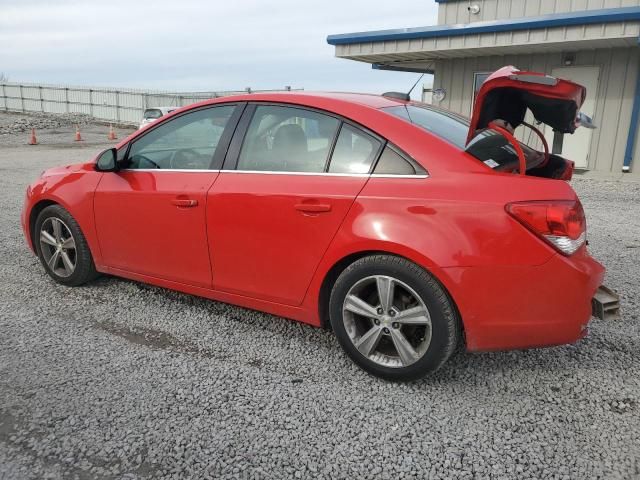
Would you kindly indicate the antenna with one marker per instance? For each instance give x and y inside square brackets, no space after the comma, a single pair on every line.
[406,97]
[414,85]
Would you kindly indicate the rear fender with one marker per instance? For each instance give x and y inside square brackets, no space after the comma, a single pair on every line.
[437,231]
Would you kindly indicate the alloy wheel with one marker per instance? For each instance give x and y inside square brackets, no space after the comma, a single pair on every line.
[58,247]
[387,321]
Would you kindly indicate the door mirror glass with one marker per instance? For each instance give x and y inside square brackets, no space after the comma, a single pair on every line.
[107,161]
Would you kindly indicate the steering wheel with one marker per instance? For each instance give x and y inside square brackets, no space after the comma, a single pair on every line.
[544,143]
[187,158]
[147,159]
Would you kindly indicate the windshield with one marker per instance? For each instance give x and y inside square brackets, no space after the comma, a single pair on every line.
[152,114]
[488,146]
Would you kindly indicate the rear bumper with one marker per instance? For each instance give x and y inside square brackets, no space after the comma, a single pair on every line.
[506,308]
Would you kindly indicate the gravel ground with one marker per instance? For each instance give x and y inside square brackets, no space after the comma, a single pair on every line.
[118,380]
[59,130]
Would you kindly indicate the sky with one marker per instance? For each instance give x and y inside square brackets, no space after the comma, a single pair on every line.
[198,45]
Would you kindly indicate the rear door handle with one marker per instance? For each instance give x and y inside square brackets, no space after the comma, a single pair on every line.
[313,207]
[184,202]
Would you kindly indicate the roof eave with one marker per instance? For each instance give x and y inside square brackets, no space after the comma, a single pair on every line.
[587,17]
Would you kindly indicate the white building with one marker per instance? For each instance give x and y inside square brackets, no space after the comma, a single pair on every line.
[592,42]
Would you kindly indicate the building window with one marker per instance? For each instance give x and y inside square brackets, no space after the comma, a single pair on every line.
[478,80]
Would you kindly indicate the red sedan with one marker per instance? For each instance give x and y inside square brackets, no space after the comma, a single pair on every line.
[405,228]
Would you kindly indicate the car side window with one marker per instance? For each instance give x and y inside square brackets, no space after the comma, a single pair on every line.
[185,142]
[354,152]
[392,163]
[287,139]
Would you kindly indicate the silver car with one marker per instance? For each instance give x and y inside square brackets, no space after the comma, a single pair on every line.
[153,114]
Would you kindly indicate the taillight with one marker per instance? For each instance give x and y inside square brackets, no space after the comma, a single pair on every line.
[559,222]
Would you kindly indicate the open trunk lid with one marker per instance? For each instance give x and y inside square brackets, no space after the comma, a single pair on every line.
[509,92]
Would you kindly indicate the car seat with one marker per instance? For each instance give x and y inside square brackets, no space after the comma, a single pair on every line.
[290,147]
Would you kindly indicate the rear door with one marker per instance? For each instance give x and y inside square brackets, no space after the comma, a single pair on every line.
[576,147]
[150,216]
[290,177]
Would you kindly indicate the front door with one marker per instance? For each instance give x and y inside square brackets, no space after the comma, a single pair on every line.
[150,216]
[576,146]
[272,216]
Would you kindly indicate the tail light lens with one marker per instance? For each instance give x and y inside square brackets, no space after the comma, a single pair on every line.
[567,173]
[560,222]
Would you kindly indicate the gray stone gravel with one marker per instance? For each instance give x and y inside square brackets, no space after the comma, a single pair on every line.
[118,380]
[11,123]
[59,130]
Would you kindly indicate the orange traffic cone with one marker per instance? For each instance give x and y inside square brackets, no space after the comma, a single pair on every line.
[33,140]
[112,133]
[78,137]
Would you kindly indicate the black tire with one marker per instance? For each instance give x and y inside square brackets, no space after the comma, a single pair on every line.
[85,269]
[445,325]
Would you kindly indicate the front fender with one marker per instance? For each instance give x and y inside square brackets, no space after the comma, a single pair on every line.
[72,189]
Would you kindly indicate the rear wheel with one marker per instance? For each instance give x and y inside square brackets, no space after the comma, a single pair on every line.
[62,248]
[393,318]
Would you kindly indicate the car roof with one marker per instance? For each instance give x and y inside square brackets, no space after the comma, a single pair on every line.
[361,108]
[311,98]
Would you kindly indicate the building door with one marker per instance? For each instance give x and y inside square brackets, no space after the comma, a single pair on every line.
[576,146]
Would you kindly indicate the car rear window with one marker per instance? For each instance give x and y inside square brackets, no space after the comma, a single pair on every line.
[488,146]
[152,113]
[392,163]
[447,125]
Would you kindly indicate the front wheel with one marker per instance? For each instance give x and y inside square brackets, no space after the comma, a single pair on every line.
[62,248]
[393,318]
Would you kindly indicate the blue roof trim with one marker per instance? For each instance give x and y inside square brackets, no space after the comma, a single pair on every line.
[607,15]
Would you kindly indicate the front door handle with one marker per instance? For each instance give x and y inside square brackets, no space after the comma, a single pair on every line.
[313,207]
[184,202]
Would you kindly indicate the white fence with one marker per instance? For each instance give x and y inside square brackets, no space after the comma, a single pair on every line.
[119,105]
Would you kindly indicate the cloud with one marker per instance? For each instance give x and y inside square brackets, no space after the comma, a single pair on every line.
[198,45]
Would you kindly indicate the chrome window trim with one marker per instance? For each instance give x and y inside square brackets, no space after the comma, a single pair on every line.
[197,170]
[278,172]
[399,175]
[273,172]
[327,174]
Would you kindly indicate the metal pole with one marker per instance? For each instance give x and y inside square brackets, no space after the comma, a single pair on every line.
[4,96]
[66,98]
[633,127]
[117,106]
[22,99]
[91,102]
[41,102]
[556,147]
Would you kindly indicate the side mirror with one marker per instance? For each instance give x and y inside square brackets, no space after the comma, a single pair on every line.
[107,161]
